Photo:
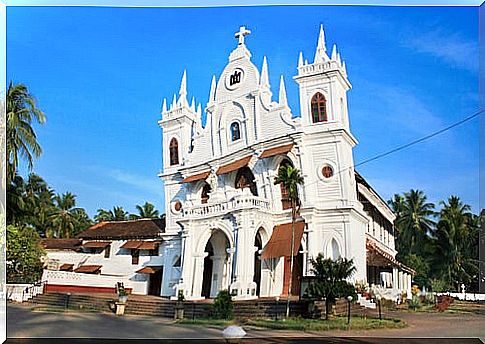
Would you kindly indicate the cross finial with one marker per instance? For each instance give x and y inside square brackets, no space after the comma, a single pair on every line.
[241,33]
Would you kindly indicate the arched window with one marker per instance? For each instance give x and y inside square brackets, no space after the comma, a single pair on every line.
[206,189]
[174,152]
[319,110]
[334,250]
[245,179]
[285,200]
[235,131]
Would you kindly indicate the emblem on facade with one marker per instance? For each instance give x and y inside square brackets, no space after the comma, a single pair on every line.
[235,78]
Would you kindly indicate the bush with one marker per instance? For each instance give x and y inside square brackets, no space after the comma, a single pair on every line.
[438,285]
[223,307]
[414,303]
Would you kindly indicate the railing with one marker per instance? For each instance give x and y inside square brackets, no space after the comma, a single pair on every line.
[24,292]
[320,67]
[237,203]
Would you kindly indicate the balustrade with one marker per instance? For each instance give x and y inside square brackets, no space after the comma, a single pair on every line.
[237,203]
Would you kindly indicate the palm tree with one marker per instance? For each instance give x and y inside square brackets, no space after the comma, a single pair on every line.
[290,177]
[117,214]
[15,200]
[331,279]
[145,211]
[63,219]
[21,139]
[414,223]
[455,234]
[40,203]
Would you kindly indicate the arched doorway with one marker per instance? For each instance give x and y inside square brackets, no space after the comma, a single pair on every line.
[215,275]
[258,245]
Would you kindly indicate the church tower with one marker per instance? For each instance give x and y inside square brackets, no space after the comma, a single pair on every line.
[323,88]
[179,124]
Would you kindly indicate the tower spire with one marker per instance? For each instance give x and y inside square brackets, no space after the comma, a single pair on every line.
[192,105]
[212,94]
[320,54]
[174,102]
[164,106]
[300,59]
[183,89]
[264,74]
[334,52]
[282,100]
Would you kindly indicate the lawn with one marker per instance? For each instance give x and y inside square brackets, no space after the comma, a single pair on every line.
[300,324]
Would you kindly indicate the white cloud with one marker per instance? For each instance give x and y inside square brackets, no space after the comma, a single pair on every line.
[450,47]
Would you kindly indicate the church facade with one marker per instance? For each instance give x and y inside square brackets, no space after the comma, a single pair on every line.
[225,216]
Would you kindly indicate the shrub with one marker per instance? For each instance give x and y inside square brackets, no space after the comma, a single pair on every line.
[444,301]
[223,307]
[438,285]
[414,303]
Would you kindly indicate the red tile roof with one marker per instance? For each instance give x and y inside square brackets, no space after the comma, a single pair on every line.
[196,177]
[233,166]
[122,230]
[276,151]
[61,244]
[149,269]
[88,269]
[96,244]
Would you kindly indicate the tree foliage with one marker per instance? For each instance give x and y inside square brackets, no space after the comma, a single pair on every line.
[24,253]
[223,307]
[331,279]
[21,140]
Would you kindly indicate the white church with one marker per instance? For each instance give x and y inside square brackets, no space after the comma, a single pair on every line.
[233,225]
[227,225]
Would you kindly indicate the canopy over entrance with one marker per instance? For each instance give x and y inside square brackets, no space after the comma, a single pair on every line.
[279,245]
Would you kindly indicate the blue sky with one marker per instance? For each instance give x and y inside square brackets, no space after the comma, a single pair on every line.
[100,75]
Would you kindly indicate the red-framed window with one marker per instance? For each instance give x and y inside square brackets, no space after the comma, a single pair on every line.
[319,108]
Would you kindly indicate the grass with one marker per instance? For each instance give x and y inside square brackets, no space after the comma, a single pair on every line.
[300,324]
[206,322]
[337,323]
[54,309]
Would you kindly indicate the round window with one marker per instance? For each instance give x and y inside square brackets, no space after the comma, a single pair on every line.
[327,171]
[177,206]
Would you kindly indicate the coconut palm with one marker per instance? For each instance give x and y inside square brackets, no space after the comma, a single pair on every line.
[117,214]
[63,218]
[145,211]
[21,139]
[290,177]
[15,200]
[414,223]
[40,203]
[455,237]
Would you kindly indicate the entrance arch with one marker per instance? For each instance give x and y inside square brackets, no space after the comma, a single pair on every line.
[216,265]
[258,246]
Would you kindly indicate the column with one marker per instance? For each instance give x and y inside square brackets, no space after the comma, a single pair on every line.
[197,276]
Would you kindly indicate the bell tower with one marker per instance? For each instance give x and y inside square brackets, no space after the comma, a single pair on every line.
[323,88]
[178,124]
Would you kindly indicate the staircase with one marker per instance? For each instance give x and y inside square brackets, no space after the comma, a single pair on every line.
[268,308]
[364,302]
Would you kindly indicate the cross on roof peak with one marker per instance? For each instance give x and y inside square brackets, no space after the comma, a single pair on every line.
[241,34]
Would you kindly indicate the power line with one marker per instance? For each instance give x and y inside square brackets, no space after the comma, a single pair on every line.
[394,150]
[420,140]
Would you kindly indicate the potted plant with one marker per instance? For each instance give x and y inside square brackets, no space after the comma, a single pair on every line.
[122,295]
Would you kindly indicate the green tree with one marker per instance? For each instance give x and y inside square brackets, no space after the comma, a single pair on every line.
[456,238]
[290,177]
[223,307]
[21,140]
[117,214]
[39,200]
[16,208]
[63,218]
[24,255]
[414,224]
[331,279]
[145,211]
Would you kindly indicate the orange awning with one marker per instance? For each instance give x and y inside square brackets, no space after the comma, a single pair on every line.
[148,245]
[233,166]
[149,269]
[132,244]
[96,244]
[276,151]
[196,177]
[66,267]
[279,245]
[88,269]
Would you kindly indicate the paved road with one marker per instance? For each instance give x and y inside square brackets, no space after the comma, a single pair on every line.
[22,322]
